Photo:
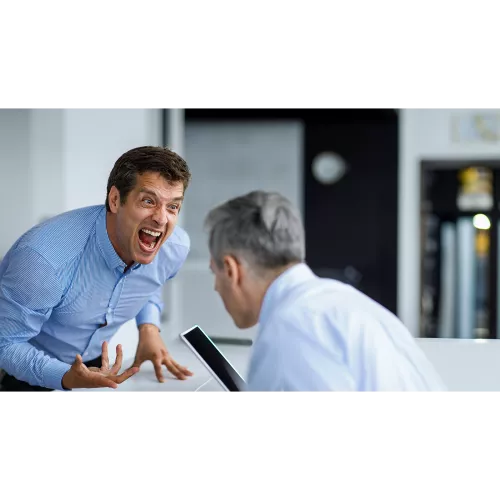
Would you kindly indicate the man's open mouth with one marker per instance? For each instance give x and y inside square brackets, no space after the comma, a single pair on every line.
[148,239]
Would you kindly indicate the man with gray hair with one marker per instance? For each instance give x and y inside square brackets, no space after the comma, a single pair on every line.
[314,334]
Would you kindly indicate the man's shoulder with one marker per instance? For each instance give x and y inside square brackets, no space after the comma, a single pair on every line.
[179,237]
[311,303]
[178,244]
[171,255]
[62,237]
[331,304]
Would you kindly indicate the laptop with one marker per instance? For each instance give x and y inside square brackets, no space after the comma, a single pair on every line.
[213,359]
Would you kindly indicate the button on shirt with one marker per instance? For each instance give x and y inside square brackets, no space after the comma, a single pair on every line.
[319,334]
[64,291]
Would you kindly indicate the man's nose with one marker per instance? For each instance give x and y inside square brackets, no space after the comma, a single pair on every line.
[160,216]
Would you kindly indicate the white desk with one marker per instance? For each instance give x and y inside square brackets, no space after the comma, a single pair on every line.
[465,365]
[146,379]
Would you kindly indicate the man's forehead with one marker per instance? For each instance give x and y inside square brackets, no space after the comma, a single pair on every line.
[160,187]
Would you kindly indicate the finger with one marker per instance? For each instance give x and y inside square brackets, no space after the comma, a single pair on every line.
[78,364]
[182,369]
[158,370]
[105,357]
[173,369]
[118,362]
[124,376]
[99,380]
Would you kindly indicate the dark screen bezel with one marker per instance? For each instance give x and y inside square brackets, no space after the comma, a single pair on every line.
[208,351]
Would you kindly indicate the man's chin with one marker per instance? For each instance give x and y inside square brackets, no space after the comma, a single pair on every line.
[244,324]
[144,259]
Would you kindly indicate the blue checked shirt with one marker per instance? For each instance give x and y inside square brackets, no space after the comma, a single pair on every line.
[63,291]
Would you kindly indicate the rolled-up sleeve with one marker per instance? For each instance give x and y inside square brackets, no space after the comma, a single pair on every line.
[29,290]
[151,312]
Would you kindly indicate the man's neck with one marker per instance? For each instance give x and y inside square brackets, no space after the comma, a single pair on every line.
[268,279]
[111,230]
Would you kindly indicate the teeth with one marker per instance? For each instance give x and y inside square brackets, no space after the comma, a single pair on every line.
[149,245]
[152,233]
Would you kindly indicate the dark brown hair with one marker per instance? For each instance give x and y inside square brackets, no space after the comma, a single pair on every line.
[146,159]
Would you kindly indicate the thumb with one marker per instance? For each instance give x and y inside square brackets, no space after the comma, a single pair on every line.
[78,365]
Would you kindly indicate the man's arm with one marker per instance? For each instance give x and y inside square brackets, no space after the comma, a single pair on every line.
[151,346]
[29,290]
[151,312]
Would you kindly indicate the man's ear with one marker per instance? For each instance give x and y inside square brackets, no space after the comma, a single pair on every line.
[232,268]
[114,199]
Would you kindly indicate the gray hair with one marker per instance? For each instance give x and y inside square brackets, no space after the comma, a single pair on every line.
[263,227]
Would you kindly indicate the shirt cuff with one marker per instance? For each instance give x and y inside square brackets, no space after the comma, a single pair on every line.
[150,313]
[53,373]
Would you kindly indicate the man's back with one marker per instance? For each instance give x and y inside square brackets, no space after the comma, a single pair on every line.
[320,334]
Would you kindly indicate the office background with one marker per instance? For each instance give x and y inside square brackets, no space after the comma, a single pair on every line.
[355,174]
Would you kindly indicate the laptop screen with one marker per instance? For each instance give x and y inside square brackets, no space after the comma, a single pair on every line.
[214,359]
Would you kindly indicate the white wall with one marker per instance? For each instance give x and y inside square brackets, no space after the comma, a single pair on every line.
[46,149]
[424,134]
[16,180]
[61,159]
[93,141]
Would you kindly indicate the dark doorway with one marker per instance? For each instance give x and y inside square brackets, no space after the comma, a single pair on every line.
[352,224]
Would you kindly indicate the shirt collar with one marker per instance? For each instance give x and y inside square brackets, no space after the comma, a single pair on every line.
[109,253]
[295,275]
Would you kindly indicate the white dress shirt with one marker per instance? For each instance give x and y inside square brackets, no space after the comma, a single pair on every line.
[319,334]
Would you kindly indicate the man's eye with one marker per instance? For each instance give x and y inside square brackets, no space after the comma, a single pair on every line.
[174,207]
[148,201]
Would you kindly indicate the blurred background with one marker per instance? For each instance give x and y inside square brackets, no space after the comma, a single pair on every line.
[401,203]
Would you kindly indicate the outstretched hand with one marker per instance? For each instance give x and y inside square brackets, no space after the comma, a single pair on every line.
[152,348]
[80,377]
